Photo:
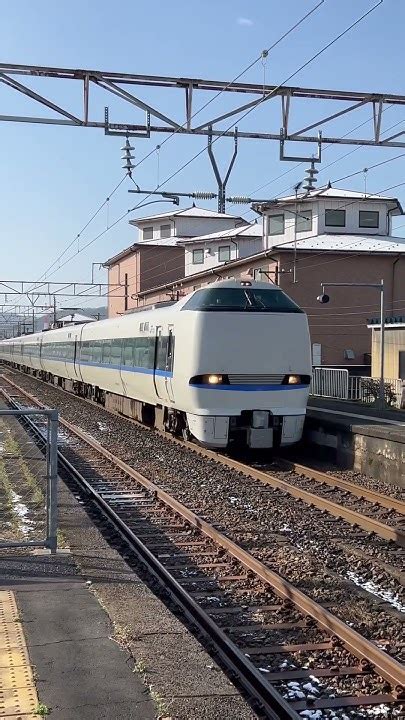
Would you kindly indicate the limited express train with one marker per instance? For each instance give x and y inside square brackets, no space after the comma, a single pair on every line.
[229,363]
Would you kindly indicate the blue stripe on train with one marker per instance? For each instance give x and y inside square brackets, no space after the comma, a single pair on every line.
[124,368]
[250,388]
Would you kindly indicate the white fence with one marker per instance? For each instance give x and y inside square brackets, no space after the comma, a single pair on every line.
[330,383]
[337,384]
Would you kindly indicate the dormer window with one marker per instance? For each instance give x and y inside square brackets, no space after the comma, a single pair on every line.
[276,224]
[148,233]
[369,219]
[335,218]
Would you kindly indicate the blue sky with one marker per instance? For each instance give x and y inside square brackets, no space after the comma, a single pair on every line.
[53,178]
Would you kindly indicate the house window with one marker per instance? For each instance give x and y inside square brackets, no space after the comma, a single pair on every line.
[303,221]
[165,231]
[198,257]
[224,253]
[276,224]
[369,219]
[335,218]
[148,233]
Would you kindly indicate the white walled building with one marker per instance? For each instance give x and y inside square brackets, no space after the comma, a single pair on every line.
[183,224]
[209,251]
[318,219]
[326,211]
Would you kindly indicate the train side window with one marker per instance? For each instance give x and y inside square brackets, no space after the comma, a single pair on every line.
[116,352]
[127,352]
[85,351]
[97,349]
[106,352]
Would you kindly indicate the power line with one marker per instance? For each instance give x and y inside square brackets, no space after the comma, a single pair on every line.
[270,94]
[263,55]
[289,242]
[327,147]
[265,97]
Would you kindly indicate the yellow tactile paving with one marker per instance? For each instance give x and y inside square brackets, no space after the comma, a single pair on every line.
[18,696]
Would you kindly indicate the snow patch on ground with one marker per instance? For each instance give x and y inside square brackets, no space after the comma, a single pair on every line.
[240,503]
[21,511]
[375,589]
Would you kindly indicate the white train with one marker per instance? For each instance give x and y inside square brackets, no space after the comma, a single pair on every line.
[229,363]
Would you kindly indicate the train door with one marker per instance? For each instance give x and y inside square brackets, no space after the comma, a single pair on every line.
[163,365]
[76,354]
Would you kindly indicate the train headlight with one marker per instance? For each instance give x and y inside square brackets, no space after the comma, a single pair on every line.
[294,379]
[214,379]
[210,379]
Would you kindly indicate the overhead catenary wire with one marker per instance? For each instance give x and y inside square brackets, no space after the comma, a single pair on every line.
[265,97]
[246,69]
[322,252]
[233,124]
[254,62]
[325,167]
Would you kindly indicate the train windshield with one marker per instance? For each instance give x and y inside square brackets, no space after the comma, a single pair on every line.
[243,299]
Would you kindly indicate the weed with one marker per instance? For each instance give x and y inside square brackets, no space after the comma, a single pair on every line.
[140,667]
[42,710]
[160,703]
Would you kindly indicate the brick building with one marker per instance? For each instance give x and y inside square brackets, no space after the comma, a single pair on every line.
[158,256]
[326,235]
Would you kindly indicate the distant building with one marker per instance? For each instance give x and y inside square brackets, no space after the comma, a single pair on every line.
[158,256]
[73,319]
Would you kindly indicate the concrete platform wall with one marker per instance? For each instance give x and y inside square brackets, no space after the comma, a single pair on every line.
[373,450]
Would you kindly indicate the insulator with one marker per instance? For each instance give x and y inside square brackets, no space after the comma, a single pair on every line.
[128,166]
[202,195]
[127,157]
[240,200]
[127,146]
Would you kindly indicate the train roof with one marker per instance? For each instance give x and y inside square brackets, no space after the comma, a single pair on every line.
[157,308]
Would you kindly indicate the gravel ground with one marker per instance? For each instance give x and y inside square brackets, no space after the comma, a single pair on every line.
[384,515]
[301,543]
[359,478]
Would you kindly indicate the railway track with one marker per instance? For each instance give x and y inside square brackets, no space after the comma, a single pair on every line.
[342,499]
[374,512]
[290,653]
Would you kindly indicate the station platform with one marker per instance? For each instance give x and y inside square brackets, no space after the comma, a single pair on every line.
[357,436]
[355,413]
[56,652]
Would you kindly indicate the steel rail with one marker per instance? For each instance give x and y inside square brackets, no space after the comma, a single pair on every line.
[374,497]
[236,661]
[339,511]
[360,647]
[353,517]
